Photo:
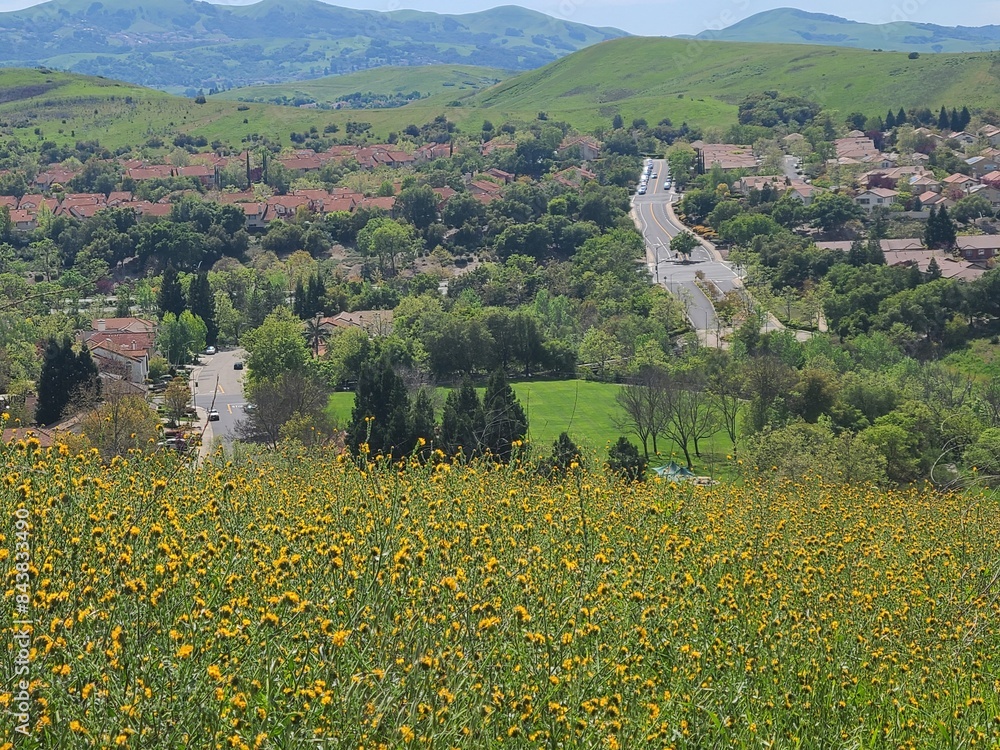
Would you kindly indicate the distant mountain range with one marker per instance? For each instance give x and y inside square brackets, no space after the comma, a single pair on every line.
[186,45]
[791,26]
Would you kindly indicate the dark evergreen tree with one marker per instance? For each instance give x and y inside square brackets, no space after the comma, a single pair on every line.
[876,256]
[625,460]
[617,122]
[381,409]
[931,232]
[505,419]
[202,303]
[933,270]
[171,297]
[857,255]
[65,376]
[463,422]
[946,229]
[965,117]
[420,423]
[299,300]
[890,120]
[955,120]
[901,117]
[564,454]
[943,121]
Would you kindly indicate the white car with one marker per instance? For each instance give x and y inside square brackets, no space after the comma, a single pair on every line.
[213,415]
[210,350]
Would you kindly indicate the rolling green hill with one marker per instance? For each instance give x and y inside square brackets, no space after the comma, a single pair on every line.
[178,46]
[439,82]
[792,26]
[702,82]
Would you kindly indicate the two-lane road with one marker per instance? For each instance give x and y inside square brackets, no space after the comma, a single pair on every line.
[678,276]
[218,385]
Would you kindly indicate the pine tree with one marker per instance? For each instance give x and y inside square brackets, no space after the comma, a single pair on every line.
[420,424]
[965,118]
[564,453]
[505,419]
[876,256]
[625,460]
[943,121]
[299,300]
[64,376]
[857,255]
[890,123]
[171,297]
[463,422]
[901,117]
[933,270]
[946,229]
[381,408]
[955,120]
[931,232]
[201,302]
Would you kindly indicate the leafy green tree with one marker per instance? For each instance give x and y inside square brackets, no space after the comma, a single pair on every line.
[417,205]
[684,244]
[984,454]
[65,376]
[386,240]
[381,411]
[171,296]
[178,337]
[831,211]
[625,460]
[506,422]
[276,346]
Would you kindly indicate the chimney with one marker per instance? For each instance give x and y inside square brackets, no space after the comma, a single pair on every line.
[101,325]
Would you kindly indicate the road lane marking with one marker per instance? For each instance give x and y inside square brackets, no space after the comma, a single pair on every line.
[229,408]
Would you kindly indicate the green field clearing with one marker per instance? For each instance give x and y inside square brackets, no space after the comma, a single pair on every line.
[586,410]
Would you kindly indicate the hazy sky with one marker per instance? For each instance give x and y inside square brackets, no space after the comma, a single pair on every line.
[668,17]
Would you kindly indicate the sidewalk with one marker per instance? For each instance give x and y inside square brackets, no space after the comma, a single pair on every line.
[206,432]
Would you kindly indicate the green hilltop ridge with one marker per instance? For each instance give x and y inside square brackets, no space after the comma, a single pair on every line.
[793,26]
[702,82]
[181,47]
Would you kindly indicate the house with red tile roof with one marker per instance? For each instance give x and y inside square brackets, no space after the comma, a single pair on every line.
[151,172]
[204,173]
[285,206]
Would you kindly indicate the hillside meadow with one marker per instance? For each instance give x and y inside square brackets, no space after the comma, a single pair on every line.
[298,599]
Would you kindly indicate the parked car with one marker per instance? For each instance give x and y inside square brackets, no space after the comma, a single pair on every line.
[210,350]
[213,415]
[238,365]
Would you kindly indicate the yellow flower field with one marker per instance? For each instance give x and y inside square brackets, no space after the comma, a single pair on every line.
[298,601]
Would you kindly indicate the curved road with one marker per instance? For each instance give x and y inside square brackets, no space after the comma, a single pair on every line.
[658,225]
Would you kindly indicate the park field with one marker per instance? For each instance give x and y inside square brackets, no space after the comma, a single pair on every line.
[584,409]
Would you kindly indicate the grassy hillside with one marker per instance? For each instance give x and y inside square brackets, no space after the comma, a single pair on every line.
[176,46]
[792,26]
[685,80]
[702,82]
[294,600]
[442,82]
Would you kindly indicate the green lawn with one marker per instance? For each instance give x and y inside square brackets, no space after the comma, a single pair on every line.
[584,409]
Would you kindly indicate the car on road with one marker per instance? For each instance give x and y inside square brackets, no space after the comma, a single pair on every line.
[666,185]
[213,415]
[210,350]
[653,176]
[642,190]
[238,365]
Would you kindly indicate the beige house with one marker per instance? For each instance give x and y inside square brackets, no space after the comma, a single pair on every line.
[875,197]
